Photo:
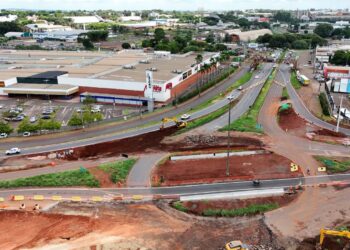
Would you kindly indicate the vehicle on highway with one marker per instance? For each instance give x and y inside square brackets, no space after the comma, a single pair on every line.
[13,151]
[32,119]
[240,88]
[1,106]
[185,117]
[257,77]
[26,134]
[3,135]
[256,183]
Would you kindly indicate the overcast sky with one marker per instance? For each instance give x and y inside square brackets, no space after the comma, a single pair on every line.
[172,4]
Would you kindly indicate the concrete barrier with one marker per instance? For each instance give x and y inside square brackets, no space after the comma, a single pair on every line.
[137,197]
[56,198]
[76,198]
[96,198]
[38,197]
[17,198]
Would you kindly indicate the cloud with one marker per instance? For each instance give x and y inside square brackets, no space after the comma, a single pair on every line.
[172,5]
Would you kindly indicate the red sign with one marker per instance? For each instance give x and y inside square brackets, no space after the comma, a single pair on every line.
[157,88]
[169,85]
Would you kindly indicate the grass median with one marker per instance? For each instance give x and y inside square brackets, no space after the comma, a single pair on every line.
[294,80]
[245,211]
[249,121]
[119,170]
[80,177]
[334,166]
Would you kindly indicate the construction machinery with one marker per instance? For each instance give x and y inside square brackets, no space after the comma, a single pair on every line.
[179,124]
[235,245]
[324,232]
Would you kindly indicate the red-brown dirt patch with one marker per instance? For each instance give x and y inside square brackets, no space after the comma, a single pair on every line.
[260,166]
[197,207]
[102,177]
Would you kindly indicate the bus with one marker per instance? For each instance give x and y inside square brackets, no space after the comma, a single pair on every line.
[304,80]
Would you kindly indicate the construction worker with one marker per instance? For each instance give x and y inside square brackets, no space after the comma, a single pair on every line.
[308,171]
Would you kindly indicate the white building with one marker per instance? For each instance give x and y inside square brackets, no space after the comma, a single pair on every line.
[8,18]
[130,18]
[46,27]
[85,19]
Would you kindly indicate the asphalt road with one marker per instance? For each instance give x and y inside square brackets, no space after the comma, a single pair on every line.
[300,107]
[179,190]
[113,132]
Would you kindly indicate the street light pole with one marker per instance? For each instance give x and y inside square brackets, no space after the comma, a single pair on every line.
[228,137]
[338,121]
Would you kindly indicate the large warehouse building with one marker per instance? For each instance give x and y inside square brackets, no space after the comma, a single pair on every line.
[126,77]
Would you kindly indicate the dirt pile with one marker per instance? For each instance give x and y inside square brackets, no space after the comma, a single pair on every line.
[259,166]
[126,226]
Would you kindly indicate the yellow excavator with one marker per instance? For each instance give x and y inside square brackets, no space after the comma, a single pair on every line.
[325,232]
[179,124]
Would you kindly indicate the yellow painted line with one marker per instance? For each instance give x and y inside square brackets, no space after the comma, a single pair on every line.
[38,197]
[18,197]
[56,198]
[96,198]
[2,199]
[137,197]
[76,198]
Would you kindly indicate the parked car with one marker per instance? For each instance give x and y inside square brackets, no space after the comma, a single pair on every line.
[185,117]
[47,112]
[3,135]
[18,118]
[46,117]
[26,134]
[1,106]
[95,110]
[32,119]
[13,151]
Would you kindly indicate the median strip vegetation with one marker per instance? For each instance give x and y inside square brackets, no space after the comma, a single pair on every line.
[249,121]
[203,120]
[81,177]
[294,80]
[245,211]
[334,166]
[119,170]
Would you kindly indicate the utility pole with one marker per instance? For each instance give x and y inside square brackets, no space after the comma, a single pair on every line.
[338,121]
[228,137]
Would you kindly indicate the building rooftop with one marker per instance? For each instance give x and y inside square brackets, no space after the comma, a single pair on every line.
[41,89]
[49,74]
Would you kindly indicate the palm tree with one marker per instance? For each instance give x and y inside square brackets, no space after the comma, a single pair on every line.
[199,59]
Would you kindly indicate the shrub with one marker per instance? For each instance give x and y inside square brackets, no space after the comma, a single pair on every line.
[324,104]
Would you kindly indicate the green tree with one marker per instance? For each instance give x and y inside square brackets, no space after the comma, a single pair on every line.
[146,43]
[9,26]
[199,58]
[283,16]
[324,30]
[75,120]
[341,57]
[26,126]
[97,35]
[88,44]
[5,128]
[300,44]
[210,38]
[89,100]
[159,34]
[126,46]
[244,23]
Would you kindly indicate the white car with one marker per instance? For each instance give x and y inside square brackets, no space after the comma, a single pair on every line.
[257,77]
[32,119]
[1,106]
[13,151]
[3,135]
[185,117]
[26,134]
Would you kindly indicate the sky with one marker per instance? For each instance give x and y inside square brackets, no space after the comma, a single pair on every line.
[172,4]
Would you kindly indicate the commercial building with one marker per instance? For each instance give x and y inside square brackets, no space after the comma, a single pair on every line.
[324,54]
[336,72]
[128,77]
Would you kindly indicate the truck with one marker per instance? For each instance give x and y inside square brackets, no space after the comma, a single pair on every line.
[304,80]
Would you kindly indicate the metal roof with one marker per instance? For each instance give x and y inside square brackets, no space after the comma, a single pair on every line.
[48,75]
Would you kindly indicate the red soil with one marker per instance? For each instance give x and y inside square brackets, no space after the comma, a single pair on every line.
[261,166]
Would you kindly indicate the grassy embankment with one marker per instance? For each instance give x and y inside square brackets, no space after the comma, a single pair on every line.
[119,170]
[334,166]
[80,177]
[249,121]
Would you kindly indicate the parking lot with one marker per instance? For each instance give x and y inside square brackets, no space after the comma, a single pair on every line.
[61,111]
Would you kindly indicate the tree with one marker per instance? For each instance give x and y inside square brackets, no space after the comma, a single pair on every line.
[244,23]
[88,44]
[146,43]
[324,30]
[5,128]
[199,58]
[210,38]
[159,34]
[8,26]
[97,35]
[126,46]
[220,47]
[75,120]
[300,44]
[283,16]
[26,126]
[89,100]
[341,57]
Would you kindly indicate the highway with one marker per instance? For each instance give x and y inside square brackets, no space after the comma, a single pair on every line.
[300,107]
[179,190]
[90,137]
